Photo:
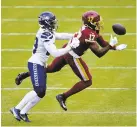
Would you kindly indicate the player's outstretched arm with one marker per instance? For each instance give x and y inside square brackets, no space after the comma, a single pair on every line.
[63,36]
[51,48]
[94,47]
[104,43]
[101,52]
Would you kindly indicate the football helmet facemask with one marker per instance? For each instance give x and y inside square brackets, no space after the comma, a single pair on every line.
[47,20]
[93,20]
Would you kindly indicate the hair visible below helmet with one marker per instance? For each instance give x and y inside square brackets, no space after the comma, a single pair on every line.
[47,20]
[93,20]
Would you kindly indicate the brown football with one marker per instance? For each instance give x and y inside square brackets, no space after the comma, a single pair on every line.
[119,29]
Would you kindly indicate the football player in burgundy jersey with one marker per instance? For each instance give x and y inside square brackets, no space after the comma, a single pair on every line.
[89,38]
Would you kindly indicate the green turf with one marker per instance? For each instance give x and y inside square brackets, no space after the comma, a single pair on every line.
[115,79]
[91,107]
[91,104]
[66,2]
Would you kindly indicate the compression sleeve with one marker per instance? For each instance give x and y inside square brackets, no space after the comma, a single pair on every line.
[51,48]
[63,36]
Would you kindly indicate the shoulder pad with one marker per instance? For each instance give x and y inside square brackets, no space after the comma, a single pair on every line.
[47,35]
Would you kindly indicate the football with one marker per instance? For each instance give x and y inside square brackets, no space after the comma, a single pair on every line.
[119,29]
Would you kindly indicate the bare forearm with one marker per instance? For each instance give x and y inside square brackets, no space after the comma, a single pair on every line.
[104,43]
[101,52]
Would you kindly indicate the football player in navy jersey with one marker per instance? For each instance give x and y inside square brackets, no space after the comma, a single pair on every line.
[89,38]
[43,47]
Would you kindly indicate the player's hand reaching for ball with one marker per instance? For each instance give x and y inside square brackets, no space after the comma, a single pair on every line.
[121,47]
[113,41]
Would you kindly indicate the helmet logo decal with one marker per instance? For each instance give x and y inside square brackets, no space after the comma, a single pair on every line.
[47,18]
[90,18]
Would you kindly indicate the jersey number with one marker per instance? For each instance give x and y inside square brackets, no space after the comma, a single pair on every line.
[35,45]
[91,38]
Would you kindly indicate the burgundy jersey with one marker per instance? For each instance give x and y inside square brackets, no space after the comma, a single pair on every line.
[86,36]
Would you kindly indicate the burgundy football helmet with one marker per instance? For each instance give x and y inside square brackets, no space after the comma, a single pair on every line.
[93,20]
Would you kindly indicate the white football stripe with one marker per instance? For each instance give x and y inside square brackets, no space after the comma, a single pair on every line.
[69,7]
[80,70]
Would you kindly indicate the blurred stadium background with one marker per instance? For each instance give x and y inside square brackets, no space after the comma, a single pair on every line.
[110,101]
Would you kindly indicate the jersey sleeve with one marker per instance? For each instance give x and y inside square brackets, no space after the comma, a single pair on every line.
[79,35]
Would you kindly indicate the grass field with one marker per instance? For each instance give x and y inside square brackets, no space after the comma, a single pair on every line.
[110,101]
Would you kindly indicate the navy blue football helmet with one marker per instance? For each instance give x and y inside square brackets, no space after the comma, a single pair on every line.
[47,20]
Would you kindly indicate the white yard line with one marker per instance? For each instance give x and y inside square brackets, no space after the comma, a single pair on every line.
[30,50]
[81,112]
[69,7]
[13,68]
[107,68]
[16,50]
[59,88]
[28,34]
[65,19]
[17,34]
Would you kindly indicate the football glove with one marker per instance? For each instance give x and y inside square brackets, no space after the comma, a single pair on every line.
[121,47]
[113,41]
[74,43]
